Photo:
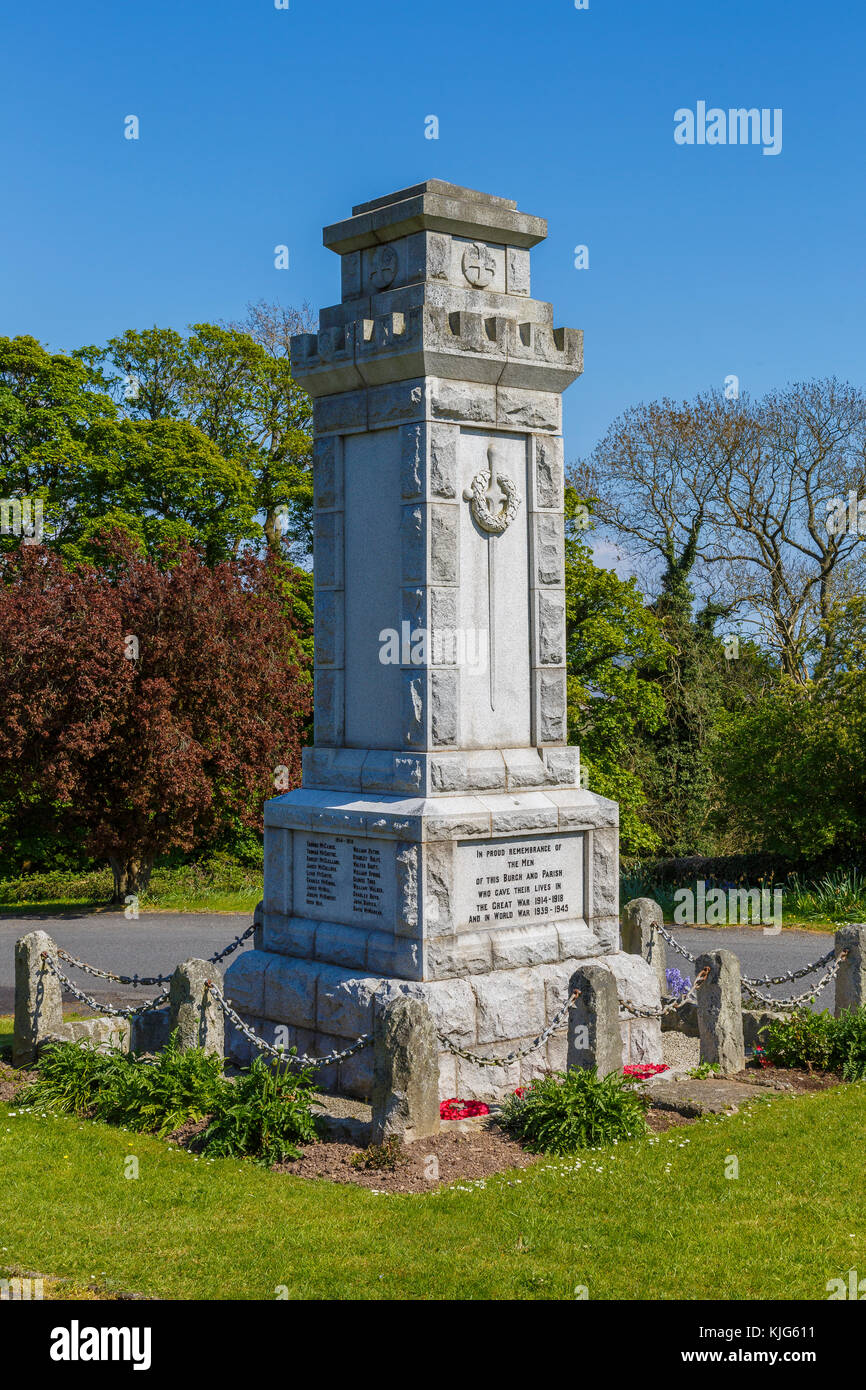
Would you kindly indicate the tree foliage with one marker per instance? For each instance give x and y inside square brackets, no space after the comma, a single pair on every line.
[205,438]
[148,703]
[615,651]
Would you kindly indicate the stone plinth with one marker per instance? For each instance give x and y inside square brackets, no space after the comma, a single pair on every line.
[441,845]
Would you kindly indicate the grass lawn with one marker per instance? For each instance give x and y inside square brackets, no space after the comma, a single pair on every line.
[650,1219]
[198,902]
[211,886]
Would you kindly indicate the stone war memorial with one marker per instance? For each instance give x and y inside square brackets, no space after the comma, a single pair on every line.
[441,846]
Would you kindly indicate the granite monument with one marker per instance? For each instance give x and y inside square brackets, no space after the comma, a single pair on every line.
[441,846]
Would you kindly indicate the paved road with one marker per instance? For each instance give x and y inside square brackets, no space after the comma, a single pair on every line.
[151,946]
[157,941]
[759,955]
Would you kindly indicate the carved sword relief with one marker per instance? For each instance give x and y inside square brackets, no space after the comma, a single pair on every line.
[494,514]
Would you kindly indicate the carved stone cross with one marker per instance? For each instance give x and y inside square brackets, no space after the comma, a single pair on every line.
[479,265]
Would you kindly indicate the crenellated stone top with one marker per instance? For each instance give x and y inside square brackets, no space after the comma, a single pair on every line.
[436,282]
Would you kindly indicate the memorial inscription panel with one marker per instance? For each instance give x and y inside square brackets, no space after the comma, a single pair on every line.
[344,878]
[519,880]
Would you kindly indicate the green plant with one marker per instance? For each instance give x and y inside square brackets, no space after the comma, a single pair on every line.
[837,897]
[703,1070]
[381,1157]
[849,1044]
[267,1114]
[806,1039]
[802,1039]
[573,1110]
[72,1076]
[159,1096]
[156,1097]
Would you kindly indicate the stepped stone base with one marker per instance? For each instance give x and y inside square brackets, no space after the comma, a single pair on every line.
[319,1008]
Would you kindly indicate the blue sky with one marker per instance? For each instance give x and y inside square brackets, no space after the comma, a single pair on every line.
[258,125]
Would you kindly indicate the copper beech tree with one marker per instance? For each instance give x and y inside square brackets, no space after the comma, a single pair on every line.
[150,703]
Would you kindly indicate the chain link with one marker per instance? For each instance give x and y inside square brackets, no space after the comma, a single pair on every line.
[666,936]
[282,1052]
[791,975]
[690,997]
[145,1008]
[797,1000]
[136,980]
[518,1052]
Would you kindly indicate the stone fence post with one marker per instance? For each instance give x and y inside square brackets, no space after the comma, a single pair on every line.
[851,979]
[38,1001]
[594,1035]
[193,1010]
[720,1011]
[641,920]
[405,1071]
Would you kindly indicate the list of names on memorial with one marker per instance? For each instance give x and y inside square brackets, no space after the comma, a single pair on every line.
[341,878]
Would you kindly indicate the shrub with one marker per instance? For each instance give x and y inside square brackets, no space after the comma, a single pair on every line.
[160,1096]
[72,1076]
[574,1110]
[806,1039]
[267,1114]
[154,1097]
[803,1039]
[849,1044]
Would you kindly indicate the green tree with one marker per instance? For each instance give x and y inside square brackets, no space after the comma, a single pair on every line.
[63,440]
[792,761]
[48,415]
[615,651]
[162,481]
[234,384]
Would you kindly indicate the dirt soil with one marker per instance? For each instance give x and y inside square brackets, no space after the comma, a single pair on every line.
[188,1134]
[468,1156]
[11,1081]
[789,1078]
[660,1120]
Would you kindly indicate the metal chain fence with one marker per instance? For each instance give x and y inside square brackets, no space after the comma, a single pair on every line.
[797,1000]
[786,978]
[282,1052]
[145,1008]
[518,1052]
[137,980]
